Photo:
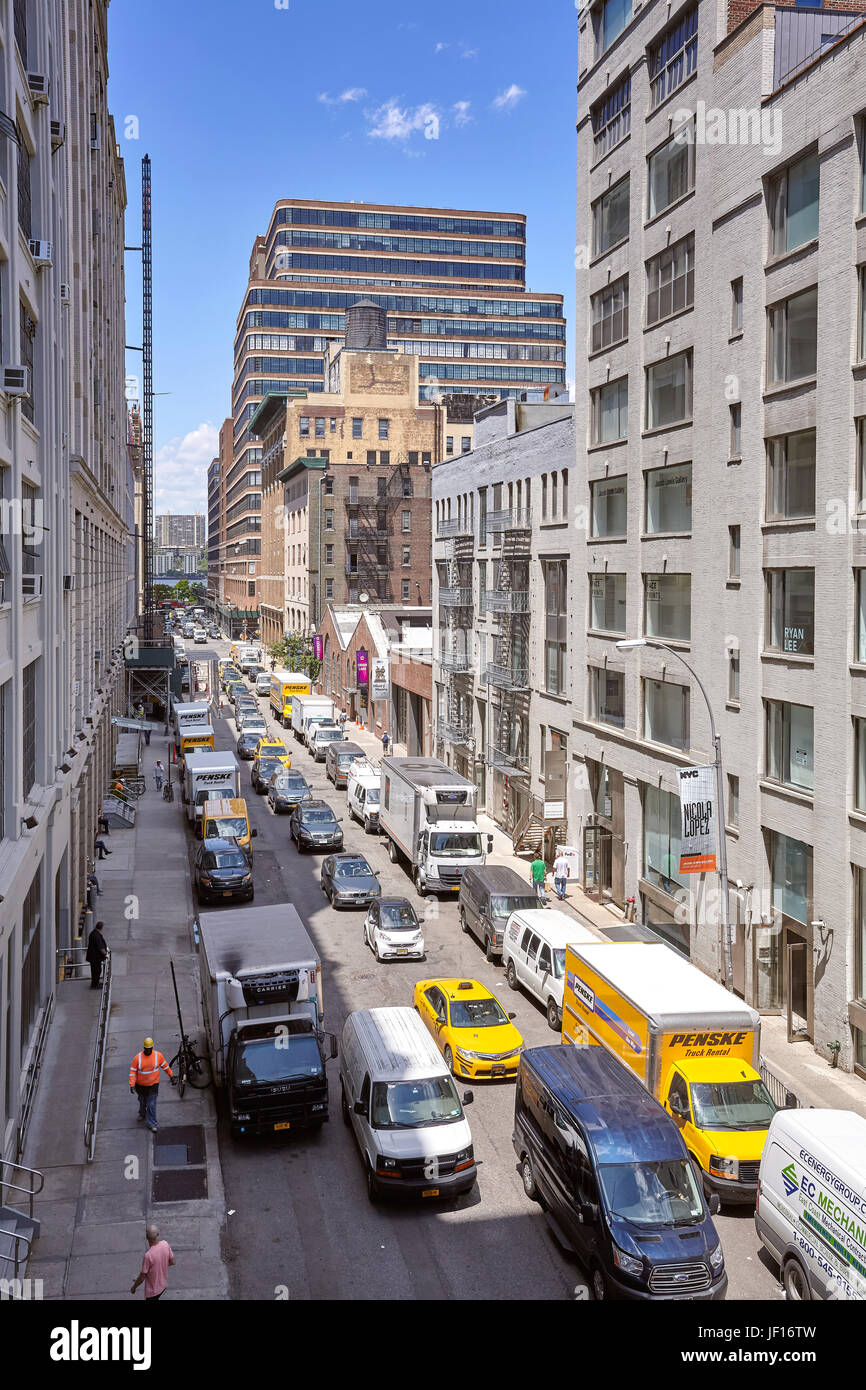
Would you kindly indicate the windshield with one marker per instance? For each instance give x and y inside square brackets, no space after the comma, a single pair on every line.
[261,1060]
[354,868]
[503,907]
[732,1105]
[401,918]
[346,759]
[411,1104]
[318,818]
[653,1194]
[477,1013]
[225,859]
[460,844]
[226,826]
[558,964]
[328,735]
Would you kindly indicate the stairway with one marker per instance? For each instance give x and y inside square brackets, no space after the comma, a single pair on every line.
[14,1224]
[530,836]
[120,814]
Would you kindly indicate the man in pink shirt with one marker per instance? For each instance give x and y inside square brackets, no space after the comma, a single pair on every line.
[154,1266]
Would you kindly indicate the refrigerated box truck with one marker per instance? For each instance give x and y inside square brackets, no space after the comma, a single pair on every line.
[427,814]
[694,1046]
[263,1011]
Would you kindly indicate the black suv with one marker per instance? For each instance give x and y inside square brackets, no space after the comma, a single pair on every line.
[222,871]
[313,825]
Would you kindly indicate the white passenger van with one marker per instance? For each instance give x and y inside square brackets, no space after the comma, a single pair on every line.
[363,789]
[399,1097]
[811,1209]
[533,953]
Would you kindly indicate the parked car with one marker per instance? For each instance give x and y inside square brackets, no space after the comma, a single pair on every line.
[349,881]
[463,1016]
[214,632]
[263,768]
[233,687]
[246,713]
[222,871]
[253,673]
[392,929]
[246,745]
[286,790]
[339,757]
[313,825]
[229,674]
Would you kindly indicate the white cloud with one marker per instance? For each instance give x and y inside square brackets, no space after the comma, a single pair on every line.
[461,113]
[507,100]
[393,122]
[180,470]
[440,47]
[469,53]
[350,94]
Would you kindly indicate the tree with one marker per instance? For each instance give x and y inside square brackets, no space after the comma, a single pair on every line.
[161,593]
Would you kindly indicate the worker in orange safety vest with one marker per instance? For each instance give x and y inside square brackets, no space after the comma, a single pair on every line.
[144,1080]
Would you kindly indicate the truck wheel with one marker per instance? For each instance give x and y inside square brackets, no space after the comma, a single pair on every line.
[527,1177]
[488,949]
[464,925]
[449,1059]
[420,887]
[510,974]
[393,852]
[796,1282]
[553,1019]
[599,1285]
[372,1191]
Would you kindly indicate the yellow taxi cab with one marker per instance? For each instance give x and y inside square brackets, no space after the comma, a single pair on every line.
[269,754]
[273,748]
[470,1027]
[225,818]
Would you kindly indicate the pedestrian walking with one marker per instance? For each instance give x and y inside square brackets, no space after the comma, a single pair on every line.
[147,738]
[273,662]
[537,871]
[144,1072]
[342,721]
[154,1267]
[100,849]
[159,775]
[561,874]
[97,951]
[386,739]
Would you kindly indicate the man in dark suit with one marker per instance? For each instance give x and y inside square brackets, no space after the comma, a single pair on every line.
[97,950]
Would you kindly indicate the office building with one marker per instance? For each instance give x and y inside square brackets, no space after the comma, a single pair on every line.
[179,532]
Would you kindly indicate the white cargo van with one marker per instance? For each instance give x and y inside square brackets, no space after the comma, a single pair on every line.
[399,1097]
[363,791]
[533,953]
[811,1209]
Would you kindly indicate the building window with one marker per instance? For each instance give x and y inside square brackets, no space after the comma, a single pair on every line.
[794,205]
[304,426]
[329,487]
[791,611]
[734,675]
[668,606]
[333,424]
[31,960]
[383,428]
[861,327]
[736,420]
[733,552]
[405,590]
[671,170]
[320,427]
[28,720]
[674,57]
[251,589]
[611,118]
[610,412]
[662,826]
[666,713]
[20,21]
[31,529]
[357,426]
[610,218]
[607,602]
[449,444]
[371,461]
[482,587]
[25,215]
[26,338]
[737,305]
[556,627]
[861,616]
[385,458]
[669,391]
[733,816]
[670,281]
[413,458]
[329,554]
[3,760]
[608,696]
[790,744]
[407,522]
[544,497]
[791,869]
[860,764]
[329,588]
[863,166]
[615,15]
[791,476]
[793,338]
[609,502]
[609,309]
[669,500]
[407,555]
[329,519]
[465,443]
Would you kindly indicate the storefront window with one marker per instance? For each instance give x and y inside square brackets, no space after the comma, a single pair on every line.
[791,611]
[791,866]
[662,821]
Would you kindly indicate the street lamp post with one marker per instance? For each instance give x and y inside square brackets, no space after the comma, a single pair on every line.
[627,645]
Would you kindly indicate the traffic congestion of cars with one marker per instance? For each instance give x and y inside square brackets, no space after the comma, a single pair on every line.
[614,1159]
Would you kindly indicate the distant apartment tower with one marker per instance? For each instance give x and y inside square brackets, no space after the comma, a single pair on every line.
[452,285]
[721,462]
[178,531]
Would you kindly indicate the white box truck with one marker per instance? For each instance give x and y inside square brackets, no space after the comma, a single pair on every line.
[307,709]
[206,775]
[263,1012]
[427,814]
[191,714]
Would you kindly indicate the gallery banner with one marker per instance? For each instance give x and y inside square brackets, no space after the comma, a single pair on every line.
[698,804]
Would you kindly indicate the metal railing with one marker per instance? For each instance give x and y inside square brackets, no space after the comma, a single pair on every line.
[506,677]
[91,1119]
[453,526]
[785,1099]
[517,763]
[455,598]
[506,600]
[454,733]
[31,1190]
[17,1259]
[31,1080]
[509,519]
[455,661]
[71,963]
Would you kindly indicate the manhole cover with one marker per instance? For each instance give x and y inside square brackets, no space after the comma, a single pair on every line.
[177,1144]
[179,1184]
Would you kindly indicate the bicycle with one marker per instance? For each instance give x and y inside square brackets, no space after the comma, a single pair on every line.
[129,786]
[190,1067]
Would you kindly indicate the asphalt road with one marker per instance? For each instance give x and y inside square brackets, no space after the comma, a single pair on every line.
[300,1223]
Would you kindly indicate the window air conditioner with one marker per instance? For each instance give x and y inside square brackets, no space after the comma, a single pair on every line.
[15,380]
[41,252]
[58,134]
[38,84]
[68,582]
[31,585]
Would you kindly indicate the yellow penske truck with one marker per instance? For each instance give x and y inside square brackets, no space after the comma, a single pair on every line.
[285,684]
[692,1044]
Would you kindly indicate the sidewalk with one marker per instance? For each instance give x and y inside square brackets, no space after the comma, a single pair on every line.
[93,1215]
[797,1065]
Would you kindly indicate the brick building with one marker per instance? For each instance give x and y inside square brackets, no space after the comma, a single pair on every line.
[402,638]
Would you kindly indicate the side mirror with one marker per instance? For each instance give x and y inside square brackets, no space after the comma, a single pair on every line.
[254,832]
[333,1044]
[512,1015]
[587,1213]
[468,1097]
[489,844]
[715,1204]
[359,1107]
[676,1105]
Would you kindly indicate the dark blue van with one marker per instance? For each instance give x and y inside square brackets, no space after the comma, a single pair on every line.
[611,1170]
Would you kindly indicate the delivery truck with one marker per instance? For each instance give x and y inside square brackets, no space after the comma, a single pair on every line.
[309,709]
[427,815]
[263,1011]
[190,714]
[692,1044]
[206,775]
[284,686]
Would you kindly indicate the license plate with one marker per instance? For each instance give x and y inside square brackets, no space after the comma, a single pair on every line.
[497,1071]
[430,1192]
[286,1124]
[227,892]
[456,888]
[402,950]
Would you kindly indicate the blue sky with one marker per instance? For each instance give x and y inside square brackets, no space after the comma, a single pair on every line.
[239,102]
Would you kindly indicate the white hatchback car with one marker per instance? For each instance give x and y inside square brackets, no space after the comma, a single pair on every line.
[392,930]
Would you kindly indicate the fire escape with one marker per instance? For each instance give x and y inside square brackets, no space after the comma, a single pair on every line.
[507,676]
[455,604]
[369,527]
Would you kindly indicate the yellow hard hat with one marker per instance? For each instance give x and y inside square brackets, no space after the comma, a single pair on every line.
[148,1042]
